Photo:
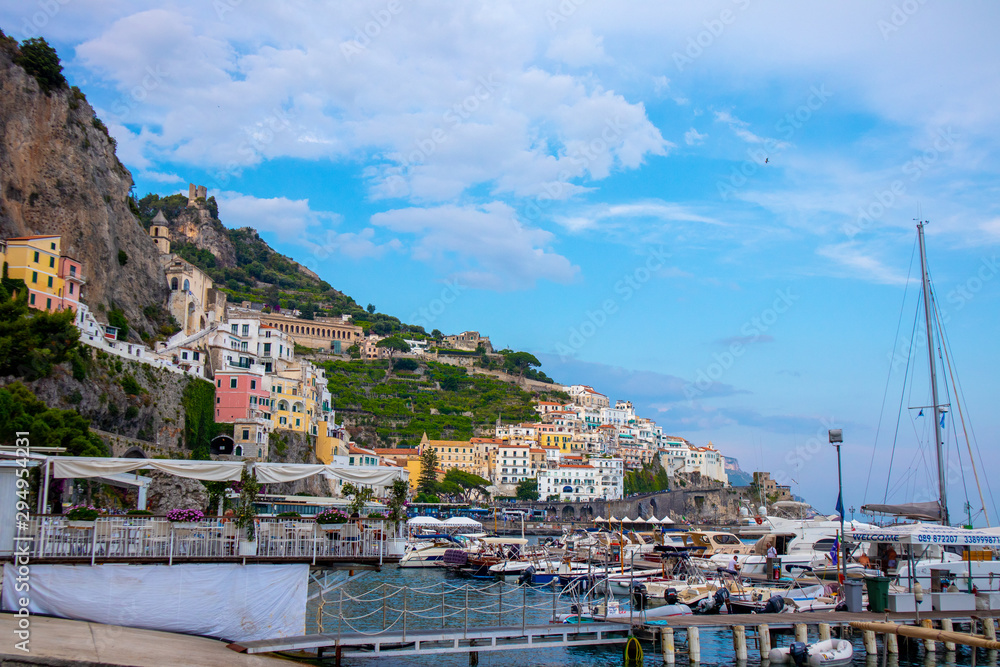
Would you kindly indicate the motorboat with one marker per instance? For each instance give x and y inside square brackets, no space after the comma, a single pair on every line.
[828,652]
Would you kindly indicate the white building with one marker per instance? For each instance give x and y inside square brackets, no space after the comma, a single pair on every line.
[690,459]
[580,483]
[513,464]
[588,397]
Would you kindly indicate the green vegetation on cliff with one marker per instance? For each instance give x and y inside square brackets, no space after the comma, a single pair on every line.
[21,412]
[652,477]
[398,405]
[33,341]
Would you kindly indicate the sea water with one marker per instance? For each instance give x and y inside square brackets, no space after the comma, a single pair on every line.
[361,608]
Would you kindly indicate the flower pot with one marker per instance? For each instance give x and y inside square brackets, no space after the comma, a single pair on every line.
[330,527]
[81,524]
[396,546]
[185,524]
[248,548]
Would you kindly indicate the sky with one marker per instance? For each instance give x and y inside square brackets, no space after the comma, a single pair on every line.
[706,208]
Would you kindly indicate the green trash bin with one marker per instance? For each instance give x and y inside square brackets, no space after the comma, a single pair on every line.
[878,594]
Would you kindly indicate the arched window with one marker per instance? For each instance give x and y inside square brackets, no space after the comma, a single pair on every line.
[156,231]
[283,405]
[173,283]
[187,285]
[238,451]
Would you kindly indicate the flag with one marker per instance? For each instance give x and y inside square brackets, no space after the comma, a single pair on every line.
[840,505]
[835,550]
[942,420]
[921,413]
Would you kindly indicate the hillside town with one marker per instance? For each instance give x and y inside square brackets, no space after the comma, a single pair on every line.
[575,450]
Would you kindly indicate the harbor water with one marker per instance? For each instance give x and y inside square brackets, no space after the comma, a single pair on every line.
[365,605]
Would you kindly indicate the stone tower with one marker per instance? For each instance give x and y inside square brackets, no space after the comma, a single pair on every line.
[195,192]
[159,230]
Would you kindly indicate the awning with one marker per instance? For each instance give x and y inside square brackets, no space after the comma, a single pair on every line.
[423,521]
[461,522]
[929,511]
[666,519]
[928,533]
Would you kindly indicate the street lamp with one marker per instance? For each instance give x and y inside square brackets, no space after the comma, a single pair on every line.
[836,439]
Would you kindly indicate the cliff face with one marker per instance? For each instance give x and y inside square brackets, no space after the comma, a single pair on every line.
[59,175]
[196,225]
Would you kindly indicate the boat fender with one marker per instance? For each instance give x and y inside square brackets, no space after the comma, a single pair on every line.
[799,653]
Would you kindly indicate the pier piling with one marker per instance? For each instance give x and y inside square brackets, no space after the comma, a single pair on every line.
[891,643]
[929,644]
[694,646]
[764,632]
[824,631]
[802,633]
[989,628]
[946,626]
[667,645]
[871,647]
[740,642]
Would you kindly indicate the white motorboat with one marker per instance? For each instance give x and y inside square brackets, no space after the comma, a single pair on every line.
[828,652]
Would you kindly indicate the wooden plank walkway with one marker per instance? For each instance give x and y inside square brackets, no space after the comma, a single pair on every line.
[450,640]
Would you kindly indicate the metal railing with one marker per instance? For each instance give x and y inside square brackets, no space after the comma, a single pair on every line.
[124,538]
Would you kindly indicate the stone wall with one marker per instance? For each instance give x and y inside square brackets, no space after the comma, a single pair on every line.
[697,505]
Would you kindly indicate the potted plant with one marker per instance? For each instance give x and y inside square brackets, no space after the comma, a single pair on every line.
[331,518]
[359,495]
[289,515]
[139,513]
[82,516]
[185,518]
[245,515]
[396,515]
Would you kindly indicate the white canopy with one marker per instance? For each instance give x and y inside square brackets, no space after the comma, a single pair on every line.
[423,521]
[599,519]
[666,519]
[221,471]
[461,522]
[612,519]
[928,533]
[626,520]
[653,520]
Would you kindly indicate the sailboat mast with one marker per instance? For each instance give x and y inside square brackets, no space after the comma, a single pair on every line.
[938,439]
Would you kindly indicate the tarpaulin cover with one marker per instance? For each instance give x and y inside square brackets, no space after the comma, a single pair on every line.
[930,511]
[79,467]
[226,600]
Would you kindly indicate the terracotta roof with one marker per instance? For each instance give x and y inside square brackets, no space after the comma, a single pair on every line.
[548,403]
[574,465]
[388,451]
[489,441]
[534,450]
[448,443]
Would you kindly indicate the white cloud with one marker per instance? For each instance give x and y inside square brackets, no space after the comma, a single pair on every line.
[578,48]
[858,262]
[483,246]
[288,217]
[693,137]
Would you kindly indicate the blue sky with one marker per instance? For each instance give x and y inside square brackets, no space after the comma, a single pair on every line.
[589,183]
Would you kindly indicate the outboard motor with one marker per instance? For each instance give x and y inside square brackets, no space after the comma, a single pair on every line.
[526,576]
[640,598]
[670,595]
[799,653]
[774,605]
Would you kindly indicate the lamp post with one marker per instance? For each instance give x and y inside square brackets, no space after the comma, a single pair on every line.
[836,439]
[852,512]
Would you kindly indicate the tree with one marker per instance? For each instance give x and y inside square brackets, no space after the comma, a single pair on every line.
[371,308]
[116,318]
[41,61]
[20,411]
[520,362]
[354,351]
[393,344]
[428,471]
[527,489]
[437,335]
[32,341]
[122,257]
[466,483]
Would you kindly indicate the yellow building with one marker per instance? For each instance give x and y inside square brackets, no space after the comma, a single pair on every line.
[328,444]
[462,454]
[288,405]
[54,280]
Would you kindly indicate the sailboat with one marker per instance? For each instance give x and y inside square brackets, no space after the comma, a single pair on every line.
[927,537]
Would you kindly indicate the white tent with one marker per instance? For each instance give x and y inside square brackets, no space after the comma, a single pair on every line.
[612,519]
[599,519]
[626,520]
[461,522]
[653,520]
[423,521]
[666,519]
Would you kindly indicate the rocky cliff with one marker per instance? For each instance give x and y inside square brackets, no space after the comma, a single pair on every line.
[195,224]
[59,175]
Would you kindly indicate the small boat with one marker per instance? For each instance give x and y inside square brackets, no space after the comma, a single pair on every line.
[828,652]
[615,612]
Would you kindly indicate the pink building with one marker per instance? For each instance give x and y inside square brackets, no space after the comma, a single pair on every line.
[241,396]
[71,272]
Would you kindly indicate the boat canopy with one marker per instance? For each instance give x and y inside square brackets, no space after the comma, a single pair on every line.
[928,533]
[928,511]
[504,540]
[461,522]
